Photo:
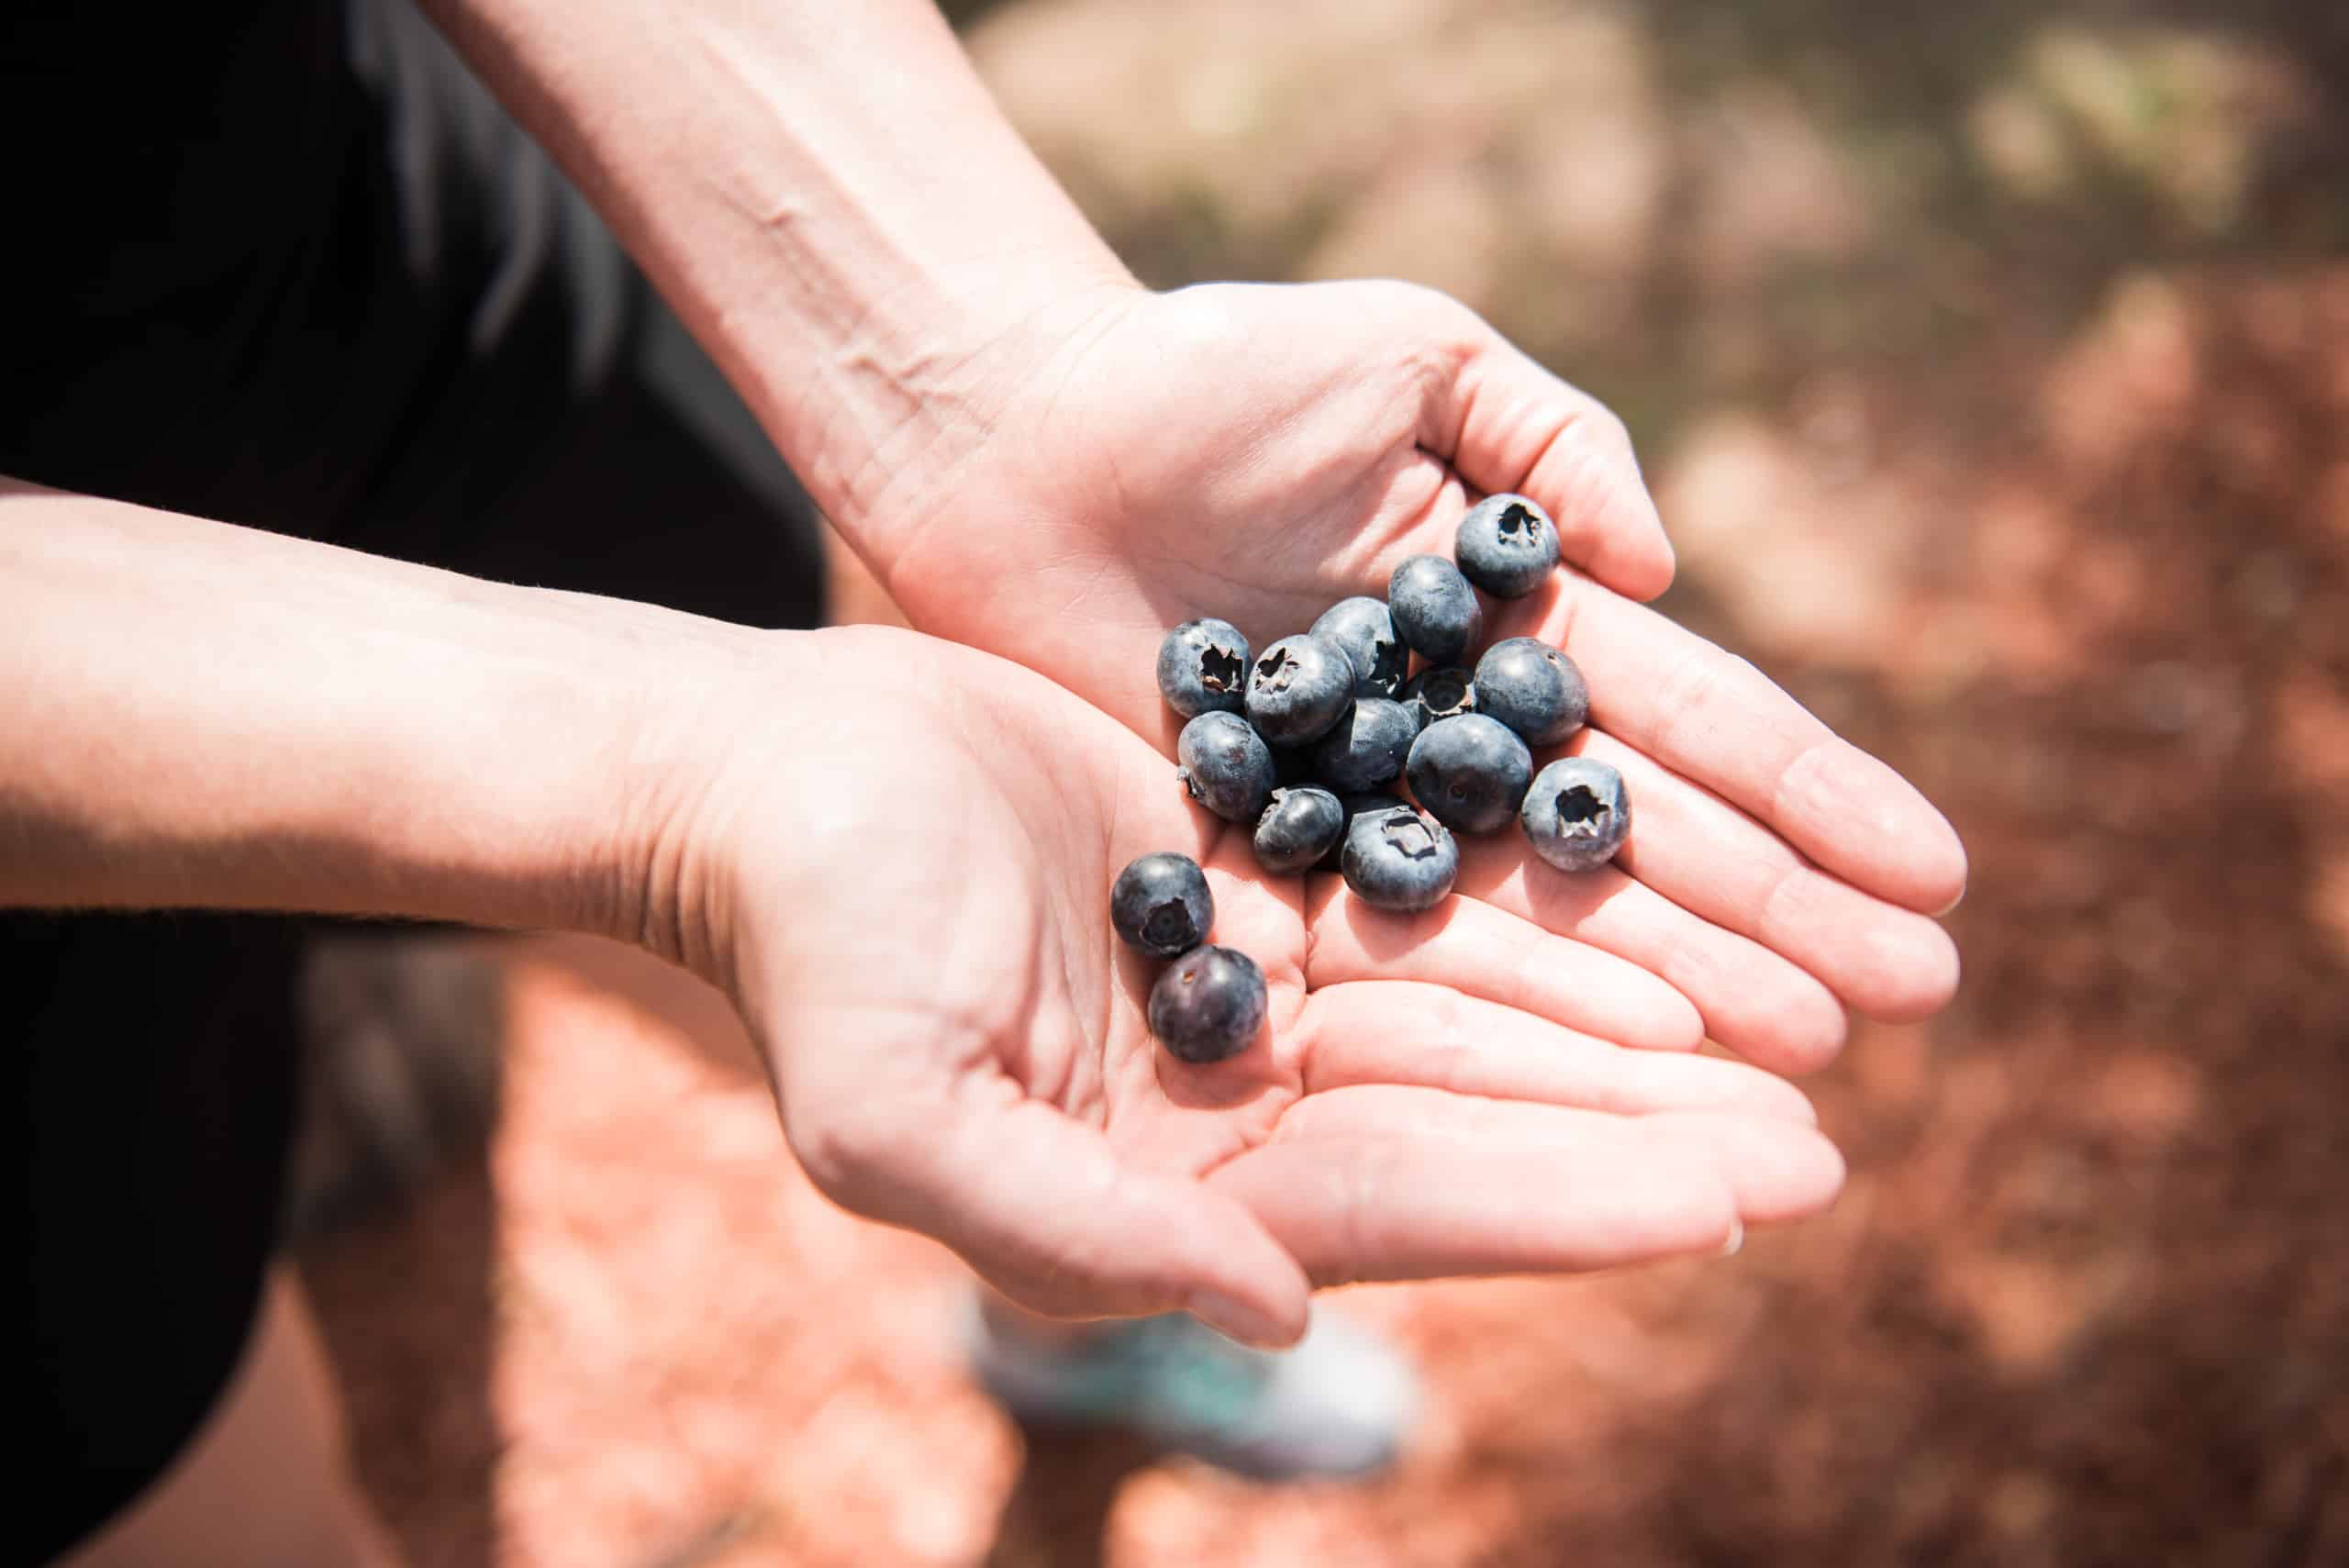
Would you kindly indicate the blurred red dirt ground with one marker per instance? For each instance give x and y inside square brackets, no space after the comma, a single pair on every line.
[1992,368]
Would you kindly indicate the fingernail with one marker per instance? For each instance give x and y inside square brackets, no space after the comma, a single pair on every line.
[1238,1320]
[1736,1242]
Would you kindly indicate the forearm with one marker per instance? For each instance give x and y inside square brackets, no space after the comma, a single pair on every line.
[195,715]
[828,197]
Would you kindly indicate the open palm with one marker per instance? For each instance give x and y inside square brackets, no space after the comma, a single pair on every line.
[1256,452]
[919,935]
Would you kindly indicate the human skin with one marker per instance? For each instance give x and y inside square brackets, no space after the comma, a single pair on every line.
[914,929]
[1040,458]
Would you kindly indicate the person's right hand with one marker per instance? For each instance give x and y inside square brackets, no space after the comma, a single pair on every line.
[905,886]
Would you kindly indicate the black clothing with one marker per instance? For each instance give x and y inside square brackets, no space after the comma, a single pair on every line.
[288,266]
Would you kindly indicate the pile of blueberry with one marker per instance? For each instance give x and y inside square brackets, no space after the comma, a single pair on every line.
[1306,739]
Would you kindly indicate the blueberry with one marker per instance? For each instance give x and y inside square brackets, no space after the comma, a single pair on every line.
[1576,813]
[1368,746]
[1446,692]
[1434,610]
[1226,766]
[1208,1005]
[1533,688]
[1470,772]
[1398,858]
[1361,629]
[1299,827]
[1507,546]
[1161,903]
[1354,805]
[1298,689]
[1203,668]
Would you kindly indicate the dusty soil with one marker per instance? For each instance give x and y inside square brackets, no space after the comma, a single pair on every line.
[1992,363]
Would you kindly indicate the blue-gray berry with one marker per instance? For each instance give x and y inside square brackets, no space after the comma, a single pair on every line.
[1361,628]
[1398,858]
[1208,1005]
[1298,688]
[1368,746]
[1533,688]
[1576,815]
[1507,545]
[1161,903]
[1203,668]
[1434,610]
[1298,829]
[1470,772]
[1226,766]
[1445,692]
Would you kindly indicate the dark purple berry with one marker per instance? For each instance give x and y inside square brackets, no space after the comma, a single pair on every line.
[1398,858]
[1203,668]
[1226,766]
[1533,688]
[1434,610]
[1208,1005]
[1507,546]
[1161,903]
[1362,630]
[1575,813]
[1470,772]
[1298,829]
[1298,688]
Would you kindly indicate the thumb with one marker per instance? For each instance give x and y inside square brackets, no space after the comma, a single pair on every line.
[1505,423]
[1044,1211]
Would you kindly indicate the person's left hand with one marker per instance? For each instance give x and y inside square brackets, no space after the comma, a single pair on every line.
[1258,452]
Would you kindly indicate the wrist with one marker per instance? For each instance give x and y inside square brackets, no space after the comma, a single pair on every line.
[203,716]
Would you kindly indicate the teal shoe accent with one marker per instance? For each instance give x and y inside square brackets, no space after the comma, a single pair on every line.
[1340,1403]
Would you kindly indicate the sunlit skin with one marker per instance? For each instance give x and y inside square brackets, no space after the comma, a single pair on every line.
[1258,452]
[920,936]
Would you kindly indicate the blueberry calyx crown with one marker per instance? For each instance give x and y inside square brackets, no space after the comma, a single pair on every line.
[1515,518]
[1581,813]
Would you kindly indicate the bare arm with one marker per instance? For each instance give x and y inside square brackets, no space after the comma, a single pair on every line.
[827,195]
[193,714]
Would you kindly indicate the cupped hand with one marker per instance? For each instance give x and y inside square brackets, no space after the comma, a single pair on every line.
[902,851]
[1257,452]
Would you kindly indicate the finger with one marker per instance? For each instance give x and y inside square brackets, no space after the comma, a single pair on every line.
[1719,864]
[1778,1169]
[1757,1004]
[1481,950]
[1414,1184]
[1715,719]
[1401,1032]
[1044,1210]
[1505,423]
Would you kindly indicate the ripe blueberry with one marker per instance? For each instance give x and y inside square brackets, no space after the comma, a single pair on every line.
[1470,772]
[1576,813]
[1398,858]
[1299,827]
[1445,692]
[1226,766]
[1160,904]
[1203,668]
[1533,688]
[1298,688]
[1208,1005]
[1434,610]
[1354,805]
[1507,546]
[1361,628]
[1368,746]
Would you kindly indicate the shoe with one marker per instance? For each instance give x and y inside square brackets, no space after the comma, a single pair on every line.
[1339,1404]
